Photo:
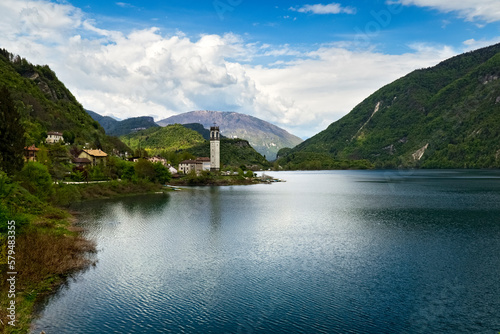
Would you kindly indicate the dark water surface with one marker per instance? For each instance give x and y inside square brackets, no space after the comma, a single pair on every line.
[325,252]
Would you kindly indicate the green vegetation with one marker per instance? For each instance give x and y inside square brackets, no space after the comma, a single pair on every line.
[170,138]
[45,104]
[12,138]
[452,107]
[177,143]
[264,137]
[47,250]
[234,153]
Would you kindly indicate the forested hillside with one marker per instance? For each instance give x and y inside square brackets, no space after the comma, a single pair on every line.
[177,142]
[170,138]
[447,116]
[45,105]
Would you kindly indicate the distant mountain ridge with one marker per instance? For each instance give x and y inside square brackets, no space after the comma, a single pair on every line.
[120,128]
[264,137]
[446,116]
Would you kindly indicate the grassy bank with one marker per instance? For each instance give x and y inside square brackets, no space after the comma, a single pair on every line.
[44,252]
[43,244]
[48,250]
[65,194]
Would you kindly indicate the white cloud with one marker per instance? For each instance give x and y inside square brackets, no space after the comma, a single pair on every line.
[472,10]
[125,5]
[472,44]
[333,8]
[325,86]
[147,73]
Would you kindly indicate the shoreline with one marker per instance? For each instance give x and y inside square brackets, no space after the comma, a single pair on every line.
[50,248]
[51,236]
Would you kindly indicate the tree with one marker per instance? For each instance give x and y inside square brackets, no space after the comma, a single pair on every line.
[12,135]
[36,178]
[162,173]
[144,169]
[69,137]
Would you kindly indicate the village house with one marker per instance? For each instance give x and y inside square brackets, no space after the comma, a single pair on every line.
[30,153]
[96,157]
[81,162]
[54,137]
[186,166]
[205,163]
[197,165]
[163,161]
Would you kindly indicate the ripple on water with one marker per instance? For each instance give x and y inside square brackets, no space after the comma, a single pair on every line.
[322,253]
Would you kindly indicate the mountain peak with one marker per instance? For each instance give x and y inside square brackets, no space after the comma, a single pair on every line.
[266,138]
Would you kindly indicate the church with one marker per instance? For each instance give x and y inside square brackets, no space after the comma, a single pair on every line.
[200,164]
[214,148]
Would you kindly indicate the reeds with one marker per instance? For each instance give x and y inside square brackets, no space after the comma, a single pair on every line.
[43,260]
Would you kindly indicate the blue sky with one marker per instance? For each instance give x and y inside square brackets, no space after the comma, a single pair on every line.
[298,64]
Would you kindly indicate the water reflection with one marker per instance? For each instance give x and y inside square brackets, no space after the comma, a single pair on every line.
[358,252]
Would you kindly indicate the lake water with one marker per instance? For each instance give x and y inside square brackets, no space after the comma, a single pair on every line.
[325,252]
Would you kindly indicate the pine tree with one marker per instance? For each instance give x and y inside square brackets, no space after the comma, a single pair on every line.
[12,135]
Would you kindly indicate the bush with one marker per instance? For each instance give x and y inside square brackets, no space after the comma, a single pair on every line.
[65,194]
[96,174]
[36,178]
[5,185]
[128,172]
[162,173]
[78,176]
[144,169]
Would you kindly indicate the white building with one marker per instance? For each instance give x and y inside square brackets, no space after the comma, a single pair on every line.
[54,137]
[197,165]
[214,148]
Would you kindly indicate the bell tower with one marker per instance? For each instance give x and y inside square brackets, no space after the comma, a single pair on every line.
[214,148]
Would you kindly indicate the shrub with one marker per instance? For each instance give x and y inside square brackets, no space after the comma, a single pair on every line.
[36,178]
[144,169]
[162,174]
[65,194]
[96,174]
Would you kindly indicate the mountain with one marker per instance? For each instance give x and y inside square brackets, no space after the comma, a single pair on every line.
[45,105]
[105,121]
[266,138]
[178,142]
[446,116]
[120,128]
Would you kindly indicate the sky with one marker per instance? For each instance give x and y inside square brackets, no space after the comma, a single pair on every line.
[300,65]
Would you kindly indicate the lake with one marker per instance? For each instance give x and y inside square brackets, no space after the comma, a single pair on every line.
[324,252]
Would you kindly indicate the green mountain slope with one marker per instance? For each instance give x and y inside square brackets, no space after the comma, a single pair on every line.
[45,104]
[233,153]
[266,138]
[447,116]
[120,128]
[170,138]
[178,142]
